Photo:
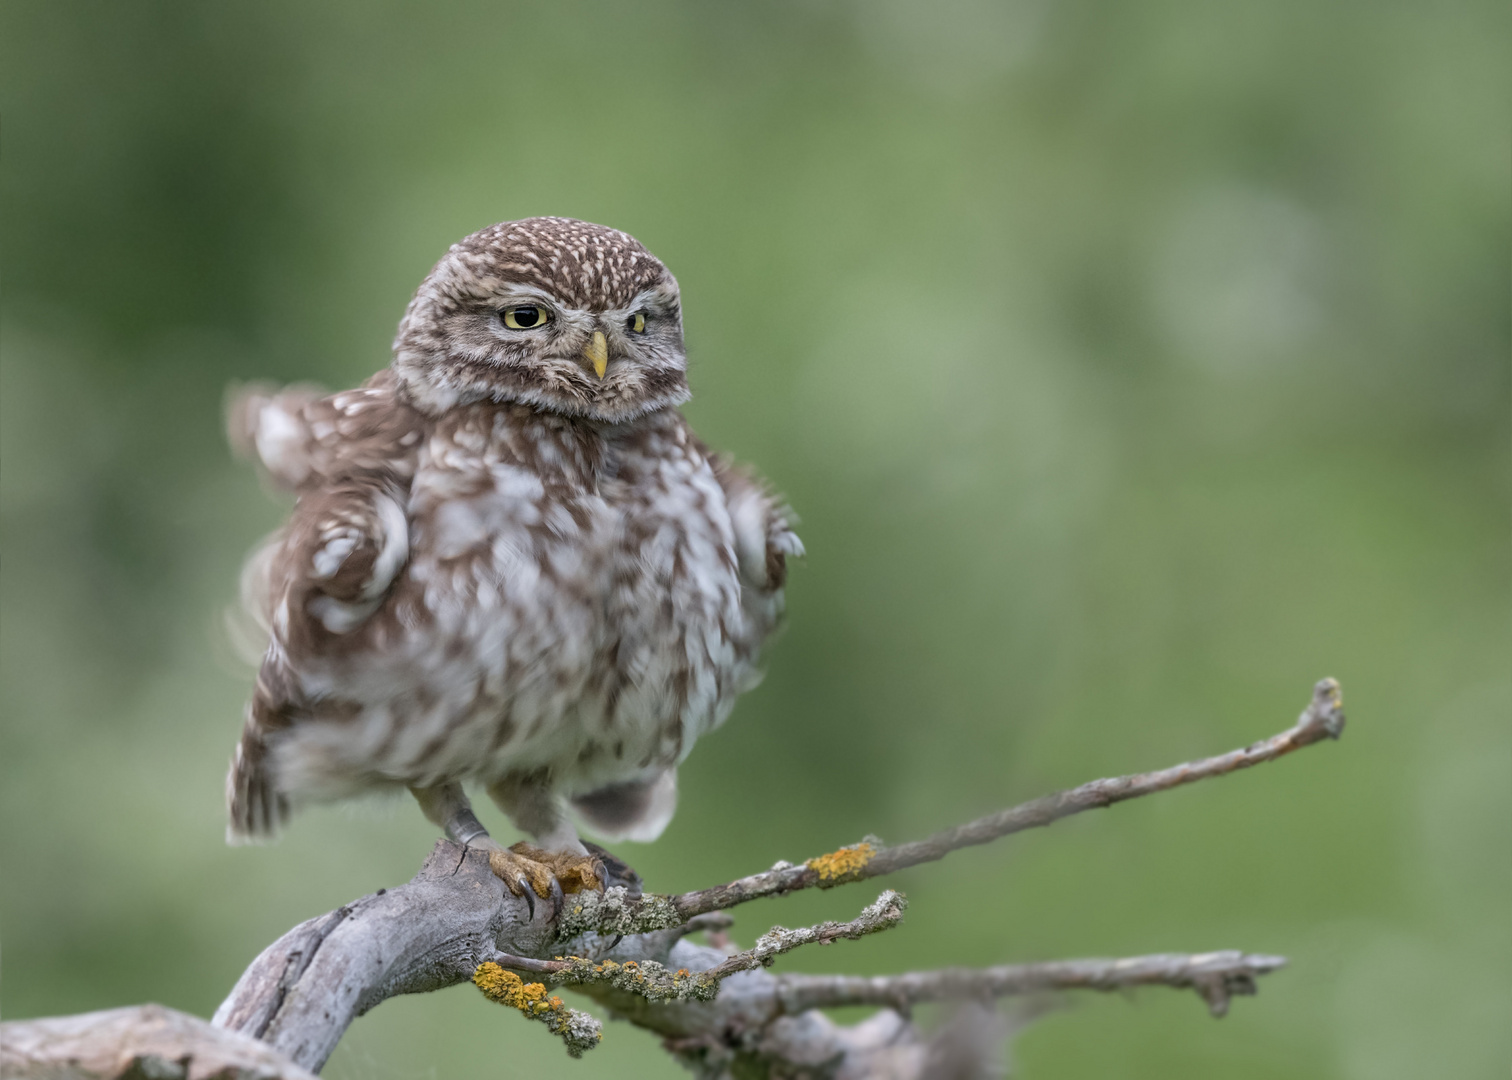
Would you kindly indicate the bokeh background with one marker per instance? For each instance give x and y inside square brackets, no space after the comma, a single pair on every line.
[1130,365]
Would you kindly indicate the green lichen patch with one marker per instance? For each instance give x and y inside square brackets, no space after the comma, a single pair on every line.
[615,911]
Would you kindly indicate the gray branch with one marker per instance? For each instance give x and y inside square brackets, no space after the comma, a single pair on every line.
[142,1042]
[1322,719]
[717,1010]
[1216,977]
[301,994]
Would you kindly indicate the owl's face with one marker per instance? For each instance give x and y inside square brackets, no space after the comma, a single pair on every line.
[566,316]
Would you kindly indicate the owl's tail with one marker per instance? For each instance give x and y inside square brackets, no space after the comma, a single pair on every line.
[638,810]
[256,808]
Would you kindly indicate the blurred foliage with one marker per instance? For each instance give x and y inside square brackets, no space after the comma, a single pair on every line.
[1130,365]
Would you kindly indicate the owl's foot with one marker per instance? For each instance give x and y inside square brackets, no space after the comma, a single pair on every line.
[527,870]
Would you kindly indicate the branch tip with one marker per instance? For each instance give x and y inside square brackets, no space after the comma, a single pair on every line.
[1325,713]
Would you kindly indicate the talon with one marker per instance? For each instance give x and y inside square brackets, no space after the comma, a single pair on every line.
[558,898]
[612,870]
[536,874]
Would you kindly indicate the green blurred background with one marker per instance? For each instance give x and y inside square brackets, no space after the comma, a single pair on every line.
[1130,366]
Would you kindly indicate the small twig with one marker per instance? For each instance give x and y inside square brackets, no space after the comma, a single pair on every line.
[527,963]
[1322,719]
[1215,976]
[882,914]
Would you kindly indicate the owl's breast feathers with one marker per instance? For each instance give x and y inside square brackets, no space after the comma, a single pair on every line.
[498,590]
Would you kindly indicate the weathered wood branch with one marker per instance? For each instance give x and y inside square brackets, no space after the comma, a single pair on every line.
[1322,719]
[304,990]
[718,1011]
[142,1042]
[301,994]
[1216,977]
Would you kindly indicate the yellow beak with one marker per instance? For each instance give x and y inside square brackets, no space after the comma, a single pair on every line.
[597,352]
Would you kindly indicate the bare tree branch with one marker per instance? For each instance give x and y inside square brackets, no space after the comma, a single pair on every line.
[1322,719]
[140,1042]
[1215,976]
[719,1013]
[303,991]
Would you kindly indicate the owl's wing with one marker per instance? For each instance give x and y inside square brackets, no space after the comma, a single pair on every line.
[764,541]
[311,587]
[344,546]
[303,438]
[764,537]
[350,458]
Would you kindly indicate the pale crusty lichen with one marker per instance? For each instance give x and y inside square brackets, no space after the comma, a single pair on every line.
[644,978]
[615,911]
[839,867]
[577,1029]
[883,913]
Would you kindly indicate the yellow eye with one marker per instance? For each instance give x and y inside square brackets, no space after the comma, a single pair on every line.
[638,323]
[526,317]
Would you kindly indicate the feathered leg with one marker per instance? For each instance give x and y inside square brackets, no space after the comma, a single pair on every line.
[524,869]
[447,805]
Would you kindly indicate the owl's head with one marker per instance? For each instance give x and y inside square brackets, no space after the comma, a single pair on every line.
[566,316]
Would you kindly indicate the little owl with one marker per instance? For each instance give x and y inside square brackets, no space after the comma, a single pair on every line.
[510,561]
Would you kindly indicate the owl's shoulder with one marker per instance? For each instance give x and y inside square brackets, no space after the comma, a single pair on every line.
[305,438]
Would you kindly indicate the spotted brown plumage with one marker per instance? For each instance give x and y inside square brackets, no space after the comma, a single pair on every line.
[502,566]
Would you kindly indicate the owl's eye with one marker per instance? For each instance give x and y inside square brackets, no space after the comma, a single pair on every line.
[637,323]
[526,317]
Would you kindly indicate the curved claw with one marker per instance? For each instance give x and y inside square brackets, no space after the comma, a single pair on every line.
[612,870]
[558,899]
[543,875]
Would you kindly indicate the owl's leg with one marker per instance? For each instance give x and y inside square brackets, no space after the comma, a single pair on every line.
[447,805]
[536,809]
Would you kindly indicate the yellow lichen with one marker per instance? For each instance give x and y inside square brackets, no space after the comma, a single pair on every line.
[578,1030]
[842,865]
[507,988]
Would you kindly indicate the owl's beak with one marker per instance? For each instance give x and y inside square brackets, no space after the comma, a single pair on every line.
[597,352]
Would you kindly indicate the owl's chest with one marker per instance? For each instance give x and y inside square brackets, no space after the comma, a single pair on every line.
[572,550]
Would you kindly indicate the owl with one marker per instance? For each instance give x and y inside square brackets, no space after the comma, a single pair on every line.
[510,563]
